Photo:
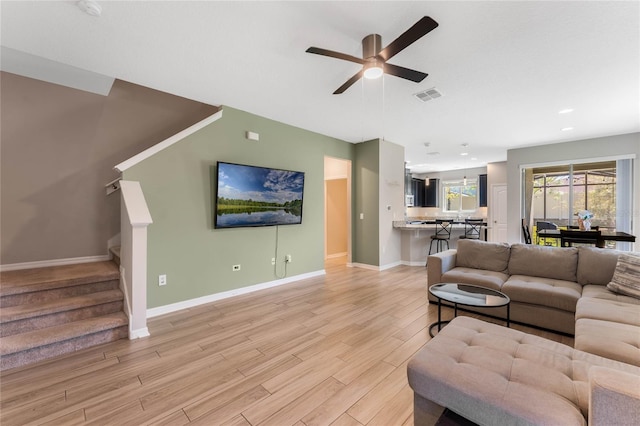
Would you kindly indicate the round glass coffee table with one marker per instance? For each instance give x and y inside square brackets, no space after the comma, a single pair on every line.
[466,295]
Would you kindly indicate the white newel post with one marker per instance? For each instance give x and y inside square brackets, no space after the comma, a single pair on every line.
[134,219]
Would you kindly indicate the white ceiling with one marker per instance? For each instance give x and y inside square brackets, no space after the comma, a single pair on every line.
[505,68]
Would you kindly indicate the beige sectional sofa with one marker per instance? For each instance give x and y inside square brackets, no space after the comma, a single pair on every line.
[491,374]
[560,289]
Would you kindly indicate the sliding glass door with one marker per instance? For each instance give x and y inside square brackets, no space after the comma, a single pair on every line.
[558,193]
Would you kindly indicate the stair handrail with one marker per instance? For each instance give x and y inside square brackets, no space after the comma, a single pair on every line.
[134,220]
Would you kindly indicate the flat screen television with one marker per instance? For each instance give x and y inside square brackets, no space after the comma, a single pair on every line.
[257,196]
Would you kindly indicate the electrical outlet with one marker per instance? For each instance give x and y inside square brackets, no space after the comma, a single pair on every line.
[235,268]
[162,279]
[287,258]
[273,260]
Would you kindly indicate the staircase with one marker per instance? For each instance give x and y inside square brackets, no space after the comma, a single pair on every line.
[47,312]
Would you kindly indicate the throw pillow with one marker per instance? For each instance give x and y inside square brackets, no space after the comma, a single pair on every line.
[626,278]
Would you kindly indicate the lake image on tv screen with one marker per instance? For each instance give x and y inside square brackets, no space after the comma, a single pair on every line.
[258,196]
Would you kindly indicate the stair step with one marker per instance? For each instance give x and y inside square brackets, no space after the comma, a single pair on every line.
[44,284]
[33,316]
[52,311]
[32,339]
[37,279]
[33,346]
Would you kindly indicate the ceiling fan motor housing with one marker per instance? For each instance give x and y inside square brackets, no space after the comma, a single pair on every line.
[371,46]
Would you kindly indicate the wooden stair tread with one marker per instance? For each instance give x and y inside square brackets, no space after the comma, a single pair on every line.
[37,279]
[50,335]
[14,313]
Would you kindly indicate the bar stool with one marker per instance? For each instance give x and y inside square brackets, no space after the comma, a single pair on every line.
[442,235]
[472,229]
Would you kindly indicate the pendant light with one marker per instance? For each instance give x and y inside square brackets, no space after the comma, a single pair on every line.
[464,153]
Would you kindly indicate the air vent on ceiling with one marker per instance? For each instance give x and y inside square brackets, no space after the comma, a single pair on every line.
[427,95]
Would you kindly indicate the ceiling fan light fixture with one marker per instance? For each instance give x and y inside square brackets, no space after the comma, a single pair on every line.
[373,70]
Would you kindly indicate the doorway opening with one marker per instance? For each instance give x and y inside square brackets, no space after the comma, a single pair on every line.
[337,211]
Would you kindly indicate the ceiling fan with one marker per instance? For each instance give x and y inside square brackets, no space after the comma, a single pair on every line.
[374,59]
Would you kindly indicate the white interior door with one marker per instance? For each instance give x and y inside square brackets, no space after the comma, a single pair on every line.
[498,213]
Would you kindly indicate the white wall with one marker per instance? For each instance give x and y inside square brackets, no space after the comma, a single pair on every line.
[391,202]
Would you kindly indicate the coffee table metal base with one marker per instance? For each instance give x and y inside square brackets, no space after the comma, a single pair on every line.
[441,323]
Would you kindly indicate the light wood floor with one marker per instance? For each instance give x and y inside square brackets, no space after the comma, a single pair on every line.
[330,350]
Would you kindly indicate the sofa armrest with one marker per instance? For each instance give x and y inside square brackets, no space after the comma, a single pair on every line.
[614,397]
[438,264]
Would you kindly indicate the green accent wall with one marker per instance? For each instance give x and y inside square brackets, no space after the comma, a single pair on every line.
[179,187]
[366,199]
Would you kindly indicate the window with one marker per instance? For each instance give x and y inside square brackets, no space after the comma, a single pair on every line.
[555,193]
[560,192]
[458,197]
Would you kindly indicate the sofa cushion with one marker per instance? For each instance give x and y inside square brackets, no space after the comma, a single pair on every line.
[496,375]
[481,277]
[557,294]
[608,310]
[596,265]
[626,278]
[478,254]
[602,292]
[613,340]
[558,263]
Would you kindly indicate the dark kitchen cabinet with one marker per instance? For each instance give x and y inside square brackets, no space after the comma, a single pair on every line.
[425,195]
[482,190]
[417,186]
[431,193]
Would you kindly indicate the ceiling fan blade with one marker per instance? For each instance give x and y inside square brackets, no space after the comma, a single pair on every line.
[349,82]
[332,54]
[419,29]
[405,73]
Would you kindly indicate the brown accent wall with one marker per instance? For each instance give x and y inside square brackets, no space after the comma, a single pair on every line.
[58,148]
[336,216]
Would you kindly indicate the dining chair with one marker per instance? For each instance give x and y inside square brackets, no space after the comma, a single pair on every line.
[441,236]
[542,225]
[472,229]
[568,237]
[526,232]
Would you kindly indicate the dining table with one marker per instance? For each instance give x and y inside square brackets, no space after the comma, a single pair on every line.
[605,235]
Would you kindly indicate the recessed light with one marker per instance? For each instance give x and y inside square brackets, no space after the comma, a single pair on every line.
[474,159]
[565,111]
[90,7]
[464,153]
[566,129]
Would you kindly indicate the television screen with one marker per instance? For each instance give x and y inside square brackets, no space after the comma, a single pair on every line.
[257,196]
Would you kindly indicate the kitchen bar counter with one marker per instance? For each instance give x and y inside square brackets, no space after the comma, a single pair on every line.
[416,237]
[429,224]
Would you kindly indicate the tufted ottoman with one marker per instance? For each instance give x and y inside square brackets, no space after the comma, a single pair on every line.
[494,375]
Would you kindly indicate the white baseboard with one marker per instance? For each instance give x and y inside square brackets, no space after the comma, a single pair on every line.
[390,265]
[54,262]
[140,332]
[166,309]
[114,241]
[414,263]
[336,255]
[375,267]
[364,266]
